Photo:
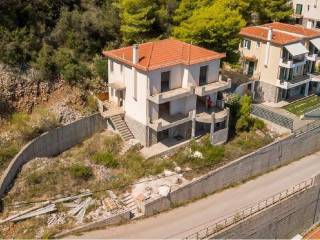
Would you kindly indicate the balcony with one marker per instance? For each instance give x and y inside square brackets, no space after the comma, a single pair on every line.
[167,121]
[286,63]
[295,82]
[315,77]
[206,115]
[313,57]
[212,87]
[172,95]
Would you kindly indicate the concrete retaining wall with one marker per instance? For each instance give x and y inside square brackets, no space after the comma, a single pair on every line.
[259,162]
[281,221]
[116,219]
[52,143]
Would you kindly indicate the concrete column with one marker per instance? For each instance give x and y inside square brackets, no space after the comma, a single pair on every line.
[193,130]
[252,89]
[306,90]
[213,121]
[318,87]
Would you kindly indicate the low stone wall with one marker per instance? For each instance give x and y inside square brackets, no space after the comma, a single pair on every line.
[116,219]
[266,159]
[283,220]
[52,143]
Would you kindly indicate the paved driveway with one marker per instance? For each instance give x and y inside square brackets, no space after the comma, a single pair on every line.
[185,220]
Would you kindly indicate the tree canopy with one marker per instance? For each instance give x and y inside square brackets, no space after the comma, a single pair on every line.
[65,38]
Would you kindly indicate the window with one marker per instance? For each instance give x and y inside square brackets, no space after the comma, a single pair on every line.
[308,8]
[318,24]
[246,43]
[203,75]
[258,44]
[121,68]
[111,66]
[165,81]
[299,9]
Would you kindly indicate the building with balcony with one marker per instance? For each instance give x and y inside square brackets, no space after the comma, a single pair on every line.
[168,89]
[307,12]
[285,58]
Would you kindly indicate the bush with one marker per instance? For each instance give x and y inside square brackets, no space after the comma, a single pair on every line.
[34,178]
[7,152]
[91,104]
[258,124]
[243,124]
[106,159]
[31,126]
[81,171]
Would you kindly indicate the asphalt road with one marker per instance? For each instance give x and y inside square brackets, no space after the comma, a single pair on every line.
[185,220]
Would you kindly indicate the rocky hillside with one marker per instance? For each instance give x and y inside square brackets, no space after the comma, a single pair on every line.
[21,91]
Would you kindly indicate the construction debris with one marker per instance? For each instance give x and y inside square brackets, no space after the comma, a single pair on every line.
[162,185]
[56,219]
[79,211]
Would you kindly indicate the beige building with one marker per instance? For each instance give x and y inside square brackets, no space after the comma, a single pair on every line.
[282,58]
[307,13]
[167,89]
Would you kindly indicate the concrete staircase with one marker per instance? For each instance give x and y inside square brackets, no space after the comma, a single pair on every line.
[122,127]
[128,200]
[271,116]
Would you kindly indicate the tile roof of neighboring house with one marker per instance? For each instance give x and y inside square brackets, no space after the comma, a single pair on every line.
[164,53]
[282,33]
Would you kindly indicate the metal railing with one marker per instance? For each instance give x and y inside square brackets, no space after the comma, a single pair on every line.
[245,213]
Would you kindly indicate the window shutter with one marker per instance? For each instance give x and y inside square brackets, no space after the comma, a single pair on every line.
[241,43]
[249,44]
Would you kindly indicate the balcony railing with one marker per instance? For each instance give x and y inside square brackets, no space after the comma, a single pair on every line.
[167,121]
[313,57]
[291,63]
[296,81]
[172,95]
[206,115]
[213,87]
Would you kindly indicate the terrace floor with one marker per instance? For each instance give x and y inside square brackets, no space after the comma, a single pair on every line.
[302,106]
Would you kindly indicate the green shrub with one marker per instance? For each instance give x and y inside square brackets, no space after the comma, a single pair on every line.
[106,159]
[112,144]
[134,163]
[34,178]
[243,124]
[91,104]
[7,152]
[81,171]
[258,124]
[31,126]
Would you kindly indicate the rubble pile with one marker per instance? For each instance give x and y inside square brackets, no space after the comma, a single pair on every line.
[161,185]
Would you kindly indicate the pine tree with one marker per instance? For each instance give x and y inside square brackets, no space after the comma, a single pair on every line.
[137,18]
[215,27]
[274,10]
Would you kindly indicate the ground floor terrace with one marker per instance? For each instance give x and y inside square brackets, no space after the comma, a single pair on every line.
[289,92]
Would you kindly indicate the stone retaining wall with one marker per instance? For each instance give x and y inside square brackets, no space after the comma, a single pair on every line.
[50,144]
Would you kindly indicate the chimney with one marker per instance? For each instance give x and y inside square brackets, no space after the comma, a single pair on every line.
[270,32]
[267,52]
[135,54]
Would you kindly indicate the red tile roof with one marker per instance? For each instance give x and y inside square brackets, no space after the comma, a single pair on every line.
[164,53]
[297,29]
[282,33]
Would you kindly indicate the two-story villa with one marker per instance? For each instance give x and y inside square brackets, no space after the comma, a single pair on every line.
[283,58]
[307,12]
[168,89]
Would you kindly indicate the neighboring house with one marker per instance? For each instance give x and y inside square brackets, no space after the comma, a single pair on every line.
[307,12]
[169,89]
[283,57]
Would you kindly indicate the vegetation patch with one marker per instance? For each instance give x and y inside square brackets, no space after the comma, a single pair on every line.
[303,106]
[80,171]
